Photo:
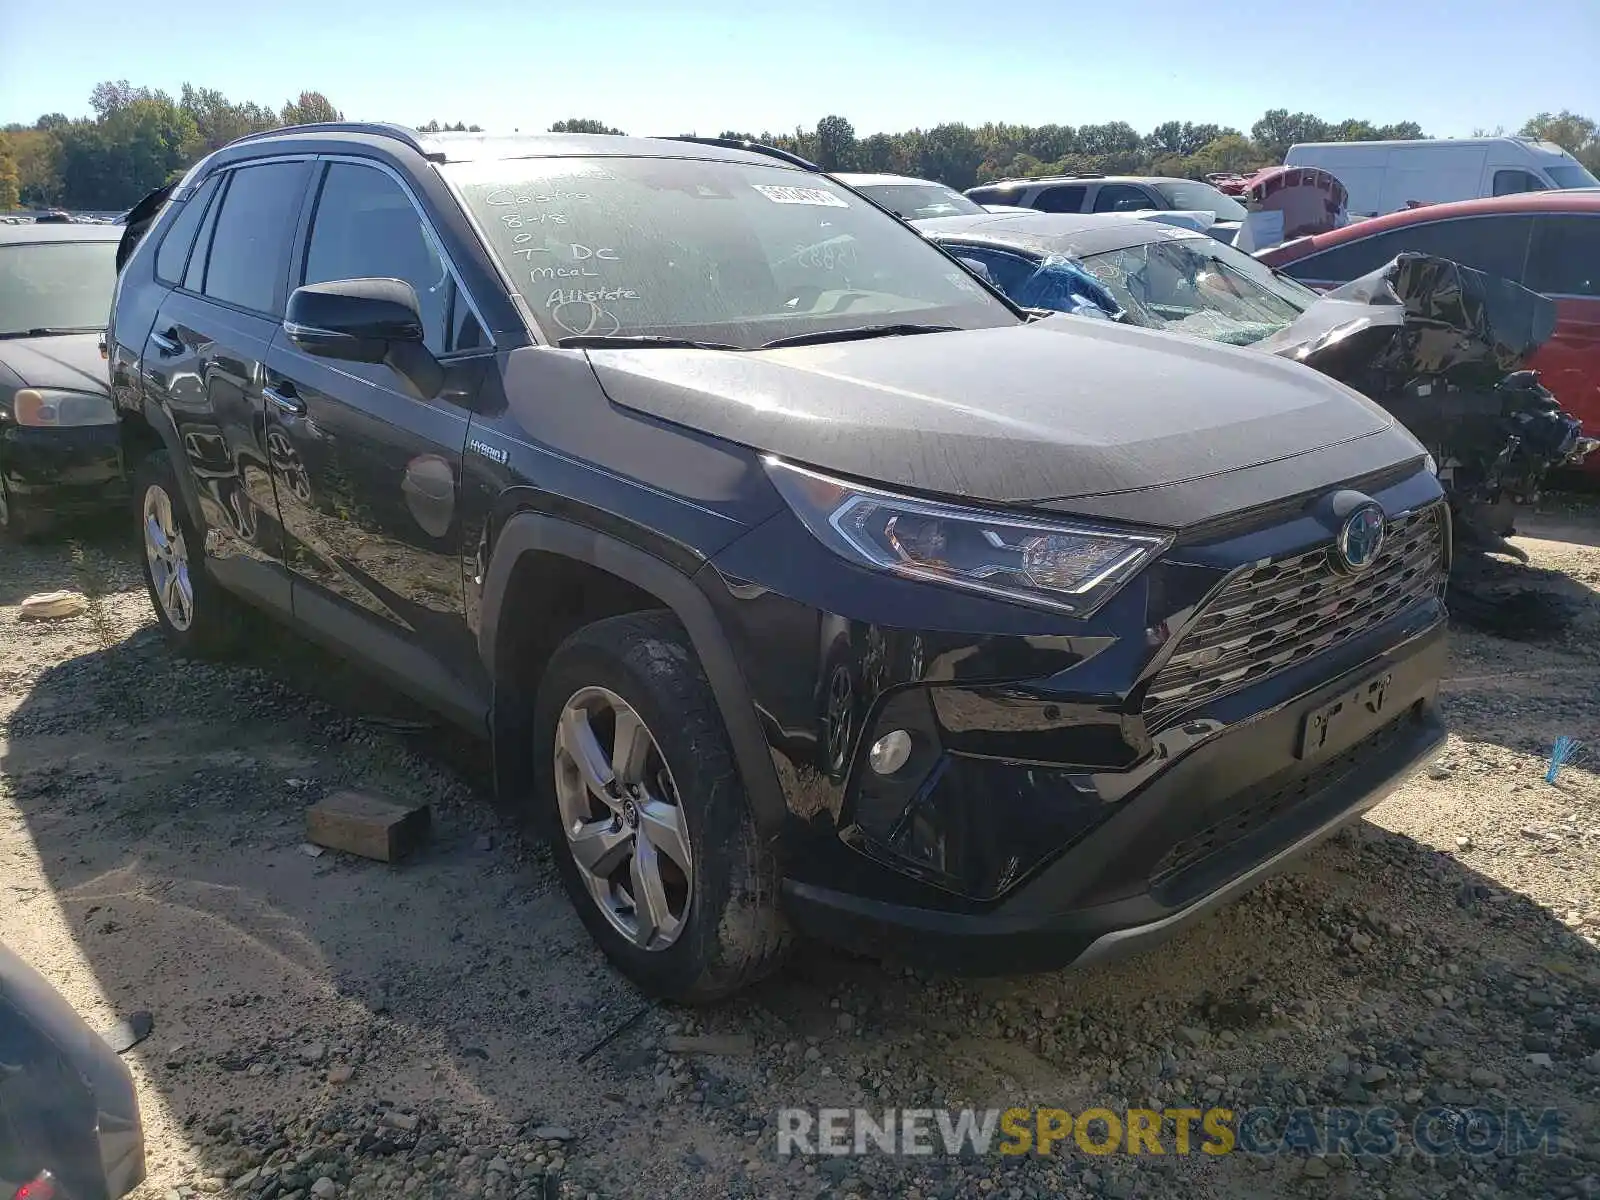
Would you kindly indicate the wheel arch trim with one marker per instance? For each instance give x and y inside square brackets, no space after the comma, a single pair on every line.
[530,532]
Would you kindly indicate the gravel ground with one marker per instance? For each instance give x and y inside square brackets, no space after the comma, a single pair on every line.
[326,1026]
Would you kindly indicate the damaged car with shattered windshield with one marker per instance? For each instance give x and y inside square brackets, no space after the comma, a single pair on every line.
[798,580]
[1439,345]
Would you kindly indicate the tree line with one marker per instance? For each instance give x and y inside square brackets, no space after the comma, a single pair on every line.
[139,138]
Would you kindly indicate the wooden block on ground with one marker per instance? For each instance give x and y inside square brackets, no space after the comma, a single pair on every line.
[367,824]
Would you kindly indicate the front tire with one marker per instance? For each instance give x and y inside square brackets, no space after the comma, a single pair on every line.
[648,820]
[16,524]
[197,616]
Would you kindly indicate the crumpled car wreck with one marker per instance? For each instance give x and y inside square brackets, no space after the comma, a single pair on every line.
[1440,346]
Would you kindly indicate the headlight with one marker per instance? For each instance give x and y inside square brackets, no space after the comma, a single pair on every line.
[1063,565]
[52,408]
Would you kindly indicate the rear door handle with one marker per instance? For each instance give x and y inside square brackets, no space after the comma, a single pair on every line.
[167,342]
[285,397]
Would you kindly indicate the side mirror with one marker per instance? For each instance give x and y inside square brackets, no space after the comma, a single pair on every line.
[355,320]
[365,320]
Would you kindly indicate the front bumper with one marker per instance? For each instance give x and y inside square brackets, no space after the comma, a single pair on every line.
[1232,804]
[59,472]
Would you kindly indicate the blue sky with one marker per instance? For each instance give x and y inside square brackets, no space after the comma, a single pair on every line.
[1452,65]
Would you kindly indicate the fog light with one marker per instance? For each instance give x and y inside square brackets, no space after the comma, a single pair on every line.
[890,752]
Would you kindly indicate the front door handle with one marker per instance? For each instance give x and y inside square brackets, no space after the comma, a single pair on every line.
[167,342]
[284,396]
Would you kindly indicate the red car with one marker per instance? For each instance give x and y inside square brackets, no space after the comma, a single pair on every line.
[1546,241]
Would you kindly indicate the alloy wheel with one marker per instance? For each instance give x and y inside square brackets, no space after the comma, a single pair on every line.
[622,818]
[168,556]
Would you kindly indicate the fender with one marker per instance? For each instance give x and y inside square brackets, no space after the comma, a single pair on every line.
[535,532]
[162,425]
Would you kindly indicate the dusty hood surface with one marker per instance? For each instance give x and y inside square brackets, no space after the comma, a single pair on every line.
[68,360]
[1059,410]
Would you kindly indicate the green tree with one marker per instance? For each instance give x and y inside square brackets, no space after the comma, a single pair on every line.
[1230,152]
[1400,131]
[309,109]
[10,192]
[876,153]
[219,121]
[1575,134]
[1353,130]
[38,155]
[111,95]
[582,125]
[950,154]
[1181,138]
[836,144]
[114,162]
[1279,129]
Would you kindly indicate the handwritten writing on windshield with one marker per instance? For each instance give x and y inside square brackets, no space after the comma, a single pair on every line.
[580,309]
[511,197]
[582,265]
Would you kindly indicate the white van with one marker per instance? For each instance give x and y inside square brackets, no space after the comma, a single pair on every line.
[1385,177]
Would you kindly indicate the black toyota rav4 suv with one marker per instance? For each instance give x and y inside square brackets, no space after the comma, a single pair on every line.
[798,580]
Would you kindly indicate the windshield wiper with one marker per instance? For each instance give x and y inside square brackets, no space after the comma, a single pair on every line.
[52,331]
[855,333]
[623,341]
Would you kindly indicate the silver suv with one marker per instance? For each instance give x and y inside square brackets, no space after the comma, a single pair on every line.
[1116,194]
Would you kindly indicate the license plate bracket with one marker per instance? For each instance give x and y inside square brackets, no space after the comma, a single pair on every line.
[1336,724]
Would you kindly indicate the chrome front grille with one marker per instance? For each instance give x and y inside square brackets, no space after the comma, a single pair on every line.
[1269,616]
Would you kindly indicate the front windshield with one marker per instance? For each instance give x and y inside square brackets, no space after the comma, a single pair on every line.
[1201,197]
[920,201]
[1197,285]
[1571,175]
[740,254]
[56,285]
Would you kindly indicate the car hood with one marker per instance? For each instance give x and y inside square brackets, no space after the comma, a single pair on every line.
[1103,418]
[69,360]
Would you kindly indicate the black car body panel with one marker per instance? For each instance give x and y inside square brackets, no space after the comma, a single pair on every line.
[927,412]
[448,537]
[67,1103]
[71,361]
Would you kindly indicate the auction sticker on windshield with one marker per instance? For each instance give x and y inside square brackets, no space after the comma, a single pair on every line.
[799,195]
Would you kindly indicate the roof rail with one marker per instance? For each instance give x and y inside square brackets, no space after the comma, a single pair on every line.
[400,133]
[794,160]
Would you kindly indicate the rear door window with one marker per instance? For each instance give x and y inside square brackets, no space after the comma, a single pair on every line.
[249,258]
[1065,199]
[194,275]
[173,256]
[1566,256]
[1123,197]
[1496,245]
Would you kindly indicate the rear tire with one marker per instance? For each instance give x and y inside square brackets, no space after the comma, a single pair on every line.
[197,617]
[720,929]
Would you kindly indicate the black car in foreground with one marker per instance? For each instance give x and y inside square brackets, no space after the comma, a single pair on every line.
[800,580]
[59,446]
[69,1118]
